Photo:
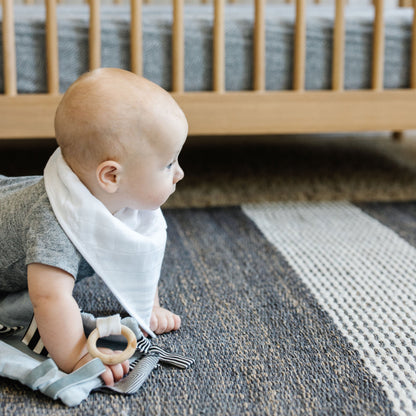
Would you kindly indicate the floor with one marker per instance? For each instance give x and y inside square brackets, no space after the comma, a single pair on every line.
[235,170]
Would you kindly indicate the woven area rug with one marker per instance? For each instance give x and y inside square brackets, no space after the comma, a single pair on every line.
[288,309]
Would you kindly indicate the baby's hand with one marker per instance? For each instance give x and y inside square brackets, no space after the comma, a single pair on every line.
[112,373]
[163,321]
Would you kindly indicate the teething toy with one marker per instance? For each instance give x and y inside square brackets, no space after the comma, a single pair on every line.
[111,359]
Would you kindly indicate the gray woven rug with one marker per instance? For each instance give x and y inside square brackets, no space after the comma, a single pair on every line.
[288,309]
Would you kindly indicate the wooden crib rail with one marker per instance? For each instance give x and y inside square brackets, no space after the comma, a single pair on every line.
[9,51]
[136,47]
[338,47]
[95,35]
[378,46]
[300,47]
[241,112]
[219,48]
[52,59]
[178,47]
[259,47]
[413,50]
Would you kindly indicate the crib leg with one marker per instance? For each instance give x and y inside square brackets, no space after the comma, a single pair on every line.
[397,136]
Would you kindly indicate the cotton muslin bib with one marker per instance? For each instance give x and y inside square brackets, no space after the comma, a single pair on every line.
[126,249]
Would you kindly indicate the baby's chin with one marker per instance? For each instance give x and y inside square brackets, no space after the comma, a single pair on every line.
[157,204]
[165,200]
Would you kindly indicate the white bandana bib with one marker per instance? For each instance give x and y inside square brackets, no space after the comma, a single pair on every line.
[126,249]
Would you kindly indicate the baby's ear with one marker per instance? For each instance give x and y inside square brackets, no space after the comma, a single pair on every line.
[108,175]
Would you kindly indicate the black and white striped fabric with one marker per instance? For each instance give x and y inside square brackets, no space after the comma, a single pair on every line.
[140,370]
[33,340]
[8,330]
[145,346]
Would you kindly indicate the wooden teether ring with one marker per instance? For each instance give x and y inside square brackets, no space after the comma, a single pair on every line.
[111,359]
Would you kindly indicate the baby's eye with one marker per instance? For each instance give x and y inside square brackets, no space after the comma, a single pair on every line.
[170,165]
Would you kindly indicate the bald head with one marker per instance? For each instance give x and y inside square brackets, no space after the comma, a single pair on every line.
[105,112]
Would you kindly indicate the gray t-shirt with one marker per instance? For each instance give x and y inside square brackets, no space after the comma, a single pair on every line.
[30,233]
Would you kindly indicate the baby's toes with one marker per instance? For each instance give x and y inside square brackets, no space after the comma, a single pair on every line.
[176,322]
[163,324]
[154,322]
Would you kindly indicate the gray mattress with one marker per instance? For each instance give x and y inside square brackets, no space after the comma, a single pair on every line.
[157,20]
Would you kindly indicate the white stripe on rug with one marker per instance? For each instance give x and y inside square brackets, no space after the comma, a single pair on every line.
[363,274]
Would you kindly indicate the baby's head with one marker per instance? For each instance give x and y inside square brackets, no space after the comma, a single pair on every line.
[122,134]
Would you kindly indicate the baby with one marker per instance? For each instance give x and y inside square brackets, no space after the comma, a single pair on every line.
[121,136]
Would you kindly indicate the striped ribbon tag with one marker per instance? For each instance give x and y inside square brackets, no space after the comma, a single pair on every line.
[145,346]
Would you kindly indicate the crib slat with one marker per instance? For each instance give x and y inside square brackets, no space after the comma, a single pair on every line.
[413,53]
[338,47]
[52,60]
[259,54]
[95,35]
[300,46]
[378,46]
[136,46]
[9,49]
[219,47]
[178,47]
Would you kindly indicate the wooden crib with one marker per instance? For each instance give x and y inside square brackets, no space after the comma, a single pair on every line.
[222,112]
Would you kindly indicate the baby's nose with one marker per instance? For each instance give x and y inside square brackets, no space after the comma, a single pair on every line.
[179,174]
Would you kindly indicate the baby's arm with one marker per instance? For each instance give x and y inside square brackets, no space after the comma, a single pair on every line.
[59,320]
[163,320]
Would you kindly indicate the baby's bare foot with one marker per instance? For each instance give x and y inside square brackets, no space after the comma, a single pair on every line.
[163,320]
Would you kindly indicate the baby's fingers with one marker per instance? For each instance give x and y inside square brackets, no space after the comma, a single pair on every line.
[108,377]
[118,372]
[115,372]
[126,367]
